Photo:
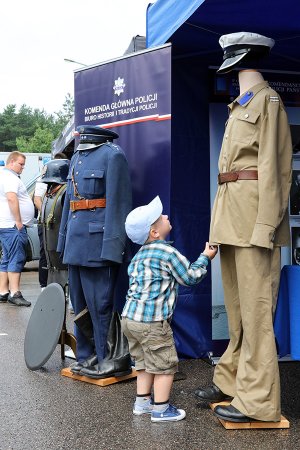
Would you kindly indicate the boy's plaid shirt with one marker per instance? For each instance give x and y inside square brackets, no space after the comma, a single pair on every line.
[154,275]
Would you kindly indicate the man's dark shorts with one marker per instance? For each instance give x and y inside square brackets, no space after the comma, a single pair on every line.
[152,346]
[13,243]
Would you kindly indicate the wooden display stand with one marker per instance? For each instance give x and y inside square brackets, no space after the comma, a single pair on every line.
[103,382]
[284,423]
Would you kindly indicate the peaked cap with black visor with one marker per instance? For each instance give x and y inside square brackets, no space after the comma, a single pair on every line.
[244,47]
[91,136]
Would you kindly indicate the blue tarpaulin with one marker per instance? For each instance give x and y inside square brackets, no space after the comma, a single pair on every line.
[165,17]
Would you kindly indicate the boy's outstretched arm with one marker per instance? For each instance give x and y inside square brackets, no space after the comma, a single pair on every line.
[188,274]
[210,250]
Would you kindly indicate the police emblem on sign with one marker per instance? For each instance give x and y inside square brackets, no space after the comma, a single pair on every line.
[119,86]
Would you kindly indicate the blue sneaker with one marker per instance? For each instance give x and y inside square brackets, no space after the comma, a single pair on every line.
[145,408]
[171,414]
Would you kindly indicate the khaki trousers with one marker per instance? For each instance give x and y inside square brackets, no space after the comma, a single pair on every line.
[248,370]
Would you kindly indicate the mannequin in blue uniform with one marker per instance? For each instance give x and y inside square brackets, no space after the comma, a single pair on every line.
[92,236]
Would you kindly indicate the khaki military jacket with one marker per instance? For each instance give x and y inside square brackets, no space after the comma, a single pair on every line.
[257,137]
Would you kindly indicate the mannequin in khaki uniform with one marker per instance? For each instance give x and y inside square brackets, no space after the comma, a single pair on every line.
[250,223]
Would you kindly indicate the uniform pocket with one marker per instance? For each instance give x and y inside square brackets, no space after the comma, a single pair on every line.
[93,182]
[95,241]
[244,126]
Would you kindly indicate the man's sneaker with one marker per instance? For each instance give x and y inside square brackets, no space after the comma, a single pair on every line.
[145,408]
[4,297]
[18,300]
[171,414]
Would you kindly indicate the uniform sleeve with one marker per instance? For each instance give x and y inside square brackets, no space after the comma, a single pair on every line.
[118,205]
[274,174]
[63,226]
[184,272]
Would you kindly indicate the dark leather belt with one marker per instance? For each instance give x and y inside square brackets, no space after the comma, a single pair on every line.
[227,177]
[92,203]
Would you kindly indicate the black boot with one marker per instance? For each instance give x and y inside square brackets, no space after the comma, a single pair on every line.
[211,394]
[231,414]
[84,322]
[77,366]
[117,367]
[117,362]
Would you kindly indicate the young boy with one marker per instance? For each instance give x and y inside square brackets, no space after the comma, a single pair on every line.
[154,275]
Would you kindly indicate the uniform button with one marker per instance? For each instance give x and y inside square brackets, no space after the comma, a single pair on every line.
[226,137]
[246,116]
[93,174]
[79,162]
[231,116]
[76,173]
[123,253]
[74,216]
[76,184]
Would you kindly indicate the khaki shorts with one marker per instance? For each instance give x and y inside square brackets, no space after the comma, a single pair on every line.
[152,346]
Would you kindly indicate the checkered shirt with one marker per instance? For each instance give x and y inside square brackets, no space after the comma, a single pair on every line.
[154,275]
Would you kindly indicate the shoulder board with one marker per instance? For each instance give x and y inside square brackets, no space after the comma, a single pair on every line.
[112,145]
[245,98]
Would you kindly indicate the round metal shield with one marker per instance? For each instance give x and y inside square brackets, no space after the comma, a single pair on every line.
[44,326]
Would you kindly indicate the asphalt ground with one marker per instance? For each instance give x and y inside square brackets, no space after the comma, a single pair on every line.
[45,411]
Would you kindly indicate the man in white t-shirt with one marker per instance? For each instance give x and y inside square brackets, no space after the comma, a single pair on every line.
[16,213]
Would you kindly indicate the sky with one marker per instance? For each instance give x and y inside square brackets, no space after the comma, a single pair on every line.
[37,35]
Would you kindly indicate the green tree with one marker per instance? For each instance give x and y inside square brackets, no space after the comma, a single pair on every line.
[32,128]
[40,142]
[7,130]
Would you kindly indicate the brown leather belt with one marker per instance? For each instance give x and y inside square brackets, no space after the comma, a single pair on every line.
[227,177]
[91,203]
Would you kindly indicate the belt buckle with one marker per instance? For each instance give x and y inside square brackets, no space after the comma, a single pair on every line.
[72,205]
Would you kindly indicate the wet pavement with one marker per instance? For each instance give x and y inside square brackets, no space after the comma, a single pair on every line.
[43,410]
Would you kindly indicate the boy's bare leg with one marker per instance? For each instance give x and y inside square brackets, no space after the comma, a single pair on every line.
[162,387]
[144,382]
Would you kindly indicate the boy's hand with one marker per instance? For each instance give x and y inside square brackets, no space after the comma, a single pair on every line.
[210,251]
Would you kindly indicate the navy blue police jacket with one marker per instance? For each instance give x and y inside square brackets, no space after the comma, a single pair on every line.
[95,238]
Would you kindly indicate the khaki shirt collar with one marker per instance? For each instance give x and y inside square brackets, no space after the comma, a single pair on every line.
[245,98]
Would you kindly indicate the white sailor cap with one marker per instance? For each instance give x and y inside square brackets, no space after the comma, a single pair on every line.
[238,45]
[139,221]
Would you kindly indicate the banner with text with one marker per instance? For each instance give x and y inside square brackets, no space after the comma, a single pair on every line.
[132,96]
